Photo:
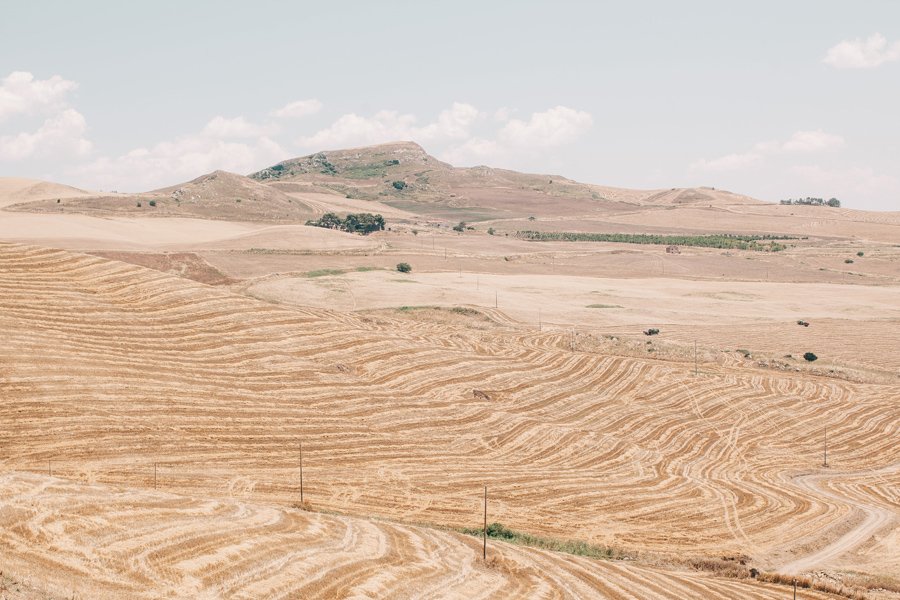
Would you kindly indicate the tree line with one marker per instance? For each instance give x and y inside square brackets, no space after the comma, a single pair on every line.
[832,202]
[364,223]
[765,243]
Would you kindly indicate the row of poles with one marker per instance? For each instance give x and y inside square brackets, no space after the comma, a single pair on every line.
[484,530]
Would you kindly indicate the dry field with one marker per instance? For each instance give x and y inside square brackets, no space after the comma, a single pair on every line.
[107,368]
[158,376]
[91,541]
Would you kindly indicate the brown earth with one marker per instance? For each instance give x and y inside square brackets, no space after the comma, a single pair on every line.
[583,428]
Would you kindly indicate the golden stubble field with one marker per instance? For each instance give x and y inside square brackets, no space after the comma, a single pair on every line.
[151,424]
[109,368]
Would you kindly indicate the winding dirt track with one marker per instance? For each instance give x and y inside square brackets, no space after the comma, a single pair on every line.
[100,542]
[108,368]
[875,518]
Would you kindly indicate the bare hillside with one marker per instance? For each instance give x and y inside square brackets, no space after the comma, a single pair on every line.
[108,368]
[14,190]
[404,175]
[219,195]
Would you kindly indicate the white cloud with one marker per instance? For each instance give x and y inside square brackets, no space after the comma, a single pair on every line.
[476,151]
[61,134]
[503,114]
[800,142]
[237,127]
[20,93]
[182,159]
[63,129]
[521,141]
[390,125]
[872,52]
[300,108]
[856,185]
[812,141]
[729,162]
[452,123]
[553,127]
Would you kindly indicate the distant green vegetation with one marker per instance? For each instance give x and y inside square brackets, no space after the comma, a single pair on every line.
[404,267]
[603,306]
[498,531]
[324,273]
[832,202]
[399,185]
[363,223]
[764,243]
[367,171]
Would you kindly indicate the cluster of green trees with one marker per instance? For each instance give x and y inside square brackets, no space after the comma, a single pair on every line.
[363,223]
[764,243]
[832,202]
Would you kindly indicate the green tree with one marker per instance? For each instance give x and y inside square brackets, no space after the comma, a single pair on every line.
[404,267]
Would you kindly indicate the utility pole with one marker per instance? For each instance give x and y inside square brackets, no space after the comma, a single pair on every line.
[540,322]
[825,461]
[484,532]
[495,298]
[695,358]
[795,589]
[301,472]
[154,476]
[49,468]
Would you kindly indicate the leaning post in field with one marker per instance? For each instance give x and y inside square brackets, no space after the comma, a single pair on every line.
[301,472]
[496,302]
[825,455]
[695,358]
[795,588]
[484,531]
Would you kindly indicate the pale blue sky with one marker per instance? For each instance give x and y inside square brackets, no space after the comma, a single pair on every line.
[741,96]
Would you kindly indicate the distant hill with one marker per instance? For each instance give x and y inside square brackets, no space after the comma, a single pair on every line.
[401,177]
[404,175]
[216,195]
[15,190]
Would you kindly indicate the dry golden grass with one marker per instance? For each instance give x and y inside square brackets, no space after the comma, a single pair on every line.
[90,541]
[108,368]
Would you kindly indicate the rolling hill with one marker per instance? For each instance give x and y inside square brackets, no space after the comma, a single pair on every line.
[109,368]
[218,195]
[404,175]
[15,190]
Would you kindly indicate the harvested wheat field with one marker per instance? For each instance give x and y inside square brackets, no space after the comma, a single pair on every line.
[108,369]
[146,544]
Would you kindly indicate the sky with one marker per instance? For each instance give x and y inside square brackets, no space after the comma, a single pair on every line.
[771,99]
